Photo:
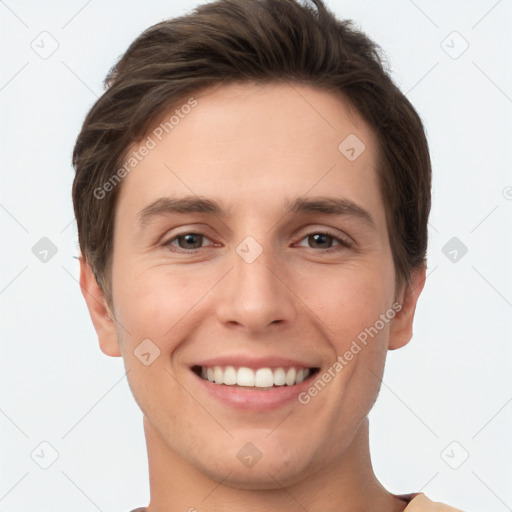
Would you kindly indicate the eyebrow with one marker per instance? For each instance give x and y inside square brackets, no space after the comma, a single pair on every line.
[300,205]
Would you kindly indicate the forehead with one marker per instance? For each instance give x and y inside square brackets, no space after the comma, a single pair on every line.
[249,144]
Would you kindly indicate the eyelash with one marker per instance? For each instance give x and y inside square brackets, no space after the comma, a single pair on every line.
[343,244]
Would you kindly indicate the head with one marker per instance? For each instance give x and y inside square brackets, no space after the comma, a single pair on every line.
[256,131]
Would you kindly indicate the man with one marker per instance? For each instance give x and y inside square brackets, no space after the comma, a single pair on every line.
[252,194]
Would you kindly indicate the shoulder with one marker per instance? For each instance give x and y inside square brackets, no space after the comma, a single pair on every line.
[420,503]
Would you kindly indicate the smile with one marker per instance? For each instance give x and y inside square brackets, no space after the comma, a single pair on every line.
[260,378]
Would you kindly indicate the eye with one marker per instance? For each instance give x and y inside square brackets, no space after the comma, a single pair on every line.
[187,242]
[324,240]
[191,242]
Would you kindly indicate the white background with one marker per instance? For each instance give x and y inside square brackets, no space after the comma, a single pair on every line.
[451,383]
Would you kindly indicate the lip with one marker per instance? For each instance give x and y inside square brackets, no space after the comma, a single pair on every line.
[255,362]
[253,399]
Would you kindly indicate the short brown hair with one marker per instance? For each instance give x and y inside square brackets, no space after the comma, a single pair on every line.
[259,41]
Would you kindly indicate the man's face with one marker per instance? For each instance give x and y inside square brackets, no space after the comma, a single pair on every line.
[256,285]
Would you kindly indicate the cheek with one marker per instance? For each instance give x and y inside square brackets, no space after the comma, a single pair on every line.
[154,308]
[158,303]
[351,300]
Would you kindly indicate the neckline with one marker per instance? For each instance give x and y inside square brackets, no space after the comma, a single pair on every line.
[407,498]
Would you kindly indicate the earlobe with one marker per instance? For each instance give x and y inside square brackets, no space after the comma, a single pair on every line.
[400,332]
[101,316]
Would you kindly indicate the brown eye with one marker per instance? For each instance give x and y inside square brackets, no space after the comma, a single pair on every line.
[187,241]
[321,240]
[190,241]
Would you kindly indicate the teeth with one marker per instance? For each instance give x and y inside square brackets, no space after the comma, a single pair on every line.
[244,377]
[230,376]
[279,377]
[218,374]
[260,378]
[290,377]
[264,378]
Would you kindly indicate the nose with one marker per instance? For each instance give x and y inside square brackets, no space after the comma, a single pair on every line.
[256,295]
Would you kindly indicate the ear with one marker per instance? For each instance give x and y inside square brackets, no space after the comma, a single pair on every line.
[101,316]
[400,332]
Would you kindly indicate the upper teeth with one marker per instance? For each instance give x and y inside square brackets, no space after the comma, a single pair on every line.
[261,377]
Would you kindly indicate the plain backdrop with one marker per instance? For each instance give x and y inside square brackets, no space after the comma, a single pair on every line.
[443,419]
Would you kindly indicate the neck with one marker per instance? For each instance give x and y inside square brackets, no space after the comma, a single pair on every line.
[350,483]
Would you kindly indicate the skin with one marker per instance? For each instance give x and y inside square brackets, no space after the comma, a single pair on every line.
[252,147]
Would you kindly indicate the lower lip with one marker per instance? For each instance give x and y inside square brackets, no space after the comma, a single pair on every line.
[252,399]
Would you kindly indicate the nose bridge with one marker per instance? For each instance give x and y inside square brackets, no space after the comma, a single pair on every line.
[255,295]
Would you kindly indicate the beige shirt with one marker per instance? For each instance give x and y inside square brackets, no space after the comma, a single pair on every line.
[420,503]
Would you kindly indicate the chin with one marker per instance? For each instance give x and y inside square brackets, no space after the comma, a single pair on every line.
[270,472]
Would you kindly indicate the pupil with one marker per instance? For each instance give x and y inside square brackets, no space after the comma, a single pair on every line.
[316,237]
[189,239]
